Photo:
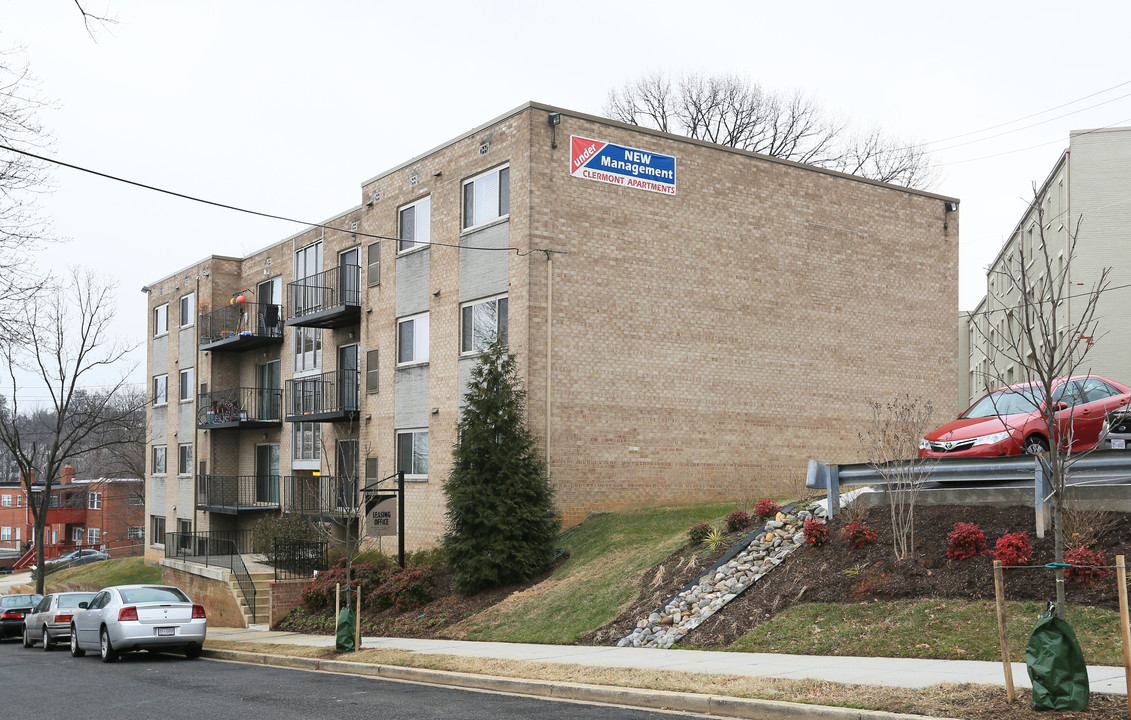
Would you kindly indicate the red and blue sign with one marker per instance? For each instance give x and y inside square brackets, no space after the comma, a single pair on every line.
[619,165]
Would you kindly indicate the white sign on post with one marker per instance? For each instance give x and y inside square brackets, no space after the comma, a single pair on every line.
[383,518]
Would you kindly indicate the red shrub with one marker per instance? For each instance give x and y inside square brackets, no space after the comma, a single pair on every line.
[737,520]
[966,540]
[1013,549]
[698,533]
[404,590]
[766,508]
[364,577]
[816,532]
[859,535]
[1086,557]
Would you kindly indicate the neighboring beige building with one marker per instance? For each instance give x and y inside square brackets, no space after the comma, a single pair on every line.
[1088,189]
[693,332]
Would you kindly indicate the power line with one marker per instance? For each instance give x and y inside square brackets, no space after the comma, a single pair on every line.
[1032,147]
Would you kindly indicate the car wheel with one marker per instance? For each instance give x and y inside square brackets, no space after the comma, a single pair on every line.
[192,652]
[27,638]
[76,651]
[1035,444]
[46,639]
[108,654]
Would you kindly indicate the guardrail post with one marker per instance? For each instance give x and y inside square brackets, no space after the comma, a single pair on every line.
[832,482]
[1040,492]
[813,474]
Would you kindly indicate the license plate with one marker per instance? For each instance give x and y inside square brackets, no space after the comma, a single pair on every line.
[162,632]
[1118,444]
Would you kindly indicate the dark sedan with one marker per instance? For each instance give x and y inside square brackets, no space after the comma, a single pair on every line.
[13,608]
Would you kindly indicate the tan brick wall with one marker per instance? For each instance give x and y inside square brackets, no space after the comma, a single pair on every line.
[214,595]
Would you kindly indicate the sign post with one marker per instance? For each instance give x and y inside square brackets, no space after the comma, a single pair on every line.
[384,511]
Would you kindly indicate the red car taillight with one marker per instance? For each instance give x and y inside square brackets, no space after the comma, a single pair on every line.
[198,612]
[127,613]
[63,618]
[12,616]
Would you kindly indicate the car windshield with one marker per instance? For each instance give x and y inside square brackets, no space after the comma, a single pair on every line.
[1010,401]
[19,600]
[152,594]
[72,600]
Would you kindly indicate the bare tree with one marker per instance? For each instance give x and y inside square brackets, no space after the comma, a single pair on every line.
[91,21]
[1037,331]
[67,343]
[891,446]
[733,110]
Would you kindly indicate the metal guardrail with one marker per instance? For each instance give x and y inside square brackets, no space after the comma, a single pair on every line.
[338,286]
[237,492]
[296,559]
[324,496]
[239,405]
[334,392]
[260,320]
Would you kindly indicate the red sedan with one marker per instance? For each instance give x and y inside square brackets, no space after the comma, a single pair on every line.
[1008,421]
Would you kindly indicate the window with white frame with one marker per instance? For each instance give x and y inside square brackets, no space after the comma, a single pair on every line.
[5,533]
[160,389]
[412,339]
[481,322]
[76,535]
[415,225]
[158,524]
[308,349]
[486,197]
[187,314]
[158,459]
[19,501]
[94,501]
[184,459]
[5,501]
[160,319]
[135,532]
[93,536]
[412,453]
[186,389]
[306,443]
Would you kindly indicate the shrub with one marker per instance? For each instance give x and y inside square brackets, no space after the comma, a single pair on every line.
[1013,549]
[714,539]
[404,589]
[698,533]
[364,578]
[737,520]
[767,508]
[1079,556]
[816,532]
[965,541]
[265,531]
[859,535]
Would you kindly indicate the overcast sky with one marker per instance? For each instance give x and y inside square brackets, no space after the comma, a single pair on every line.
[286,107]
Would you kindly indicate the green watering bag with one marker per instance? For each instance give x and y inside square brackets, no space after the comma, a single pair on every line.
[1056,666]
[347,626]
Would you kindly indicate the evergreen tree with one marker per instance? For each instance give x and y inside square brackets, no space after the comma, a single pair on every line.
[502,524]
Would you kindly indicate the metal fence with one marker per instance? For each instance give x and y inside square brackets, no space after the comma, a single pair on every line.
[324,496]
[296,559]
[235,492]
[261,320]
[338,391]
[240,405]
[208,547]
[324,291]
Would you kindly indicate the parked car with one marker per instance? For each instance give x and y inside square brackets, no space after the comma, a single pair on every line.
[77,557]
[13,608]
[49,621]
[1117,429]
[1008,421]
[125,618]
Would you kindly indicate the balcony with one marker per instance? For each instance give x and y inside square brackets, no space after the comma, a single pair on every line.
[68,506]
[244,407]
[329,299]
[244,326]
[322,497]
[232,494]
[329,397]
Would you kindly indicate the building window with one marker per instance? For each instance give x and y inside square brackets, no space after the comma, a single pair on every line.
[415,225]
[93,536]
[160,319]
[184,459]
[5,533]
[412,339]
[19,501]
[94,501]
[76,536]
[187,315]
[5,501]
[157,523]
[160,389]
[482,322]
[308,349]
[486,197]
[135,532]
[187,386]
[412,453]
[306,443]
[373,264]
[158,459]
[372,379]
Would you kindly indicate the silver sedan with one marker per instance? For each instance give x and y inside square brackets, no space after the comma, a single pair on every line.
[49,621]
[125,618]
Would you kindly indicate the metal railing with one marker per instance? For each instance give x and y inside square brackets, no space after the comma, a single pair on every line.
[296,559]
[333,392]
[238,491]
[327,496]
[216,548]
[326,290]
[249,319]
[241,404]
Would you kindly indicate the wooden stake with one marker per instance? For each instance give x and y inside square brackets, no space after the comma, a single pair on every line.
[337,604]
[1125,627]
[999,591]
[357,624]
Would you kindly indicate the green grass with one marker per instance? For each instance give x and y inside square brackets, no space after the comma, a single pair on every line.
[103,574]
[607,555]
[918,628]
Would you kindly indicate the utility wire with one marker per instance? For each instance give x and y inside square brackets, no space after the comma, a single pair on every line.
[1031,147]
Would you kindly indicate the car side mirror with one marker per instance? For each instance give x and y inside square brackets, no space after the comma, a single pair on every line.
[1061,406]
[83,605]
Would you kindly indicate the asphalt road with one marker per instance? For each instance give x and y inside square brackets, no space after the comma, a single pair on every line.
[35,684]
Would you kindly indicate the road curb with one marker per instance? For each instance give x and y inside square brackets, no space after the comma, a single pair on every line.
[605,694]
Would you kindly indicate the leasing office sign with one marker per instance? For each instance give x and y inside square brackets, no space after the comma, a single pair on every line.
[619,165]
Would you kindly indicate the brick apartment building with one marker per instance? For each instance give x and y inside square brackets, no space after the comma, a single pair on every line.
[692,322]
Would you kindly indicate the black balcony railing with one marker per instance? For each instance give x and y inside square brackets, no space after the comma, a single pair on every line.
[241,326]
[328,299]
[231,494]
[324,398]
[249,407]
[296,559]
[209,547]
[321,496]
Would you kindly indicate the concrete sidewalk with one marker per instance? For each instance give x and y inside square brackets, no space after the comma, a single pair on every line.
[892,672]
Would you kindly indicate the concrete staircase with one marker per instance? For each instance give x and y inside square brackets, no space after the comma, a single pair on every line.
[262,581]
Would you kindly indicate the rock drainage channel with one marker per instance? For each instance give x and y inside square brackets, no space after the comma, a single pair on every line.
[761,552]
